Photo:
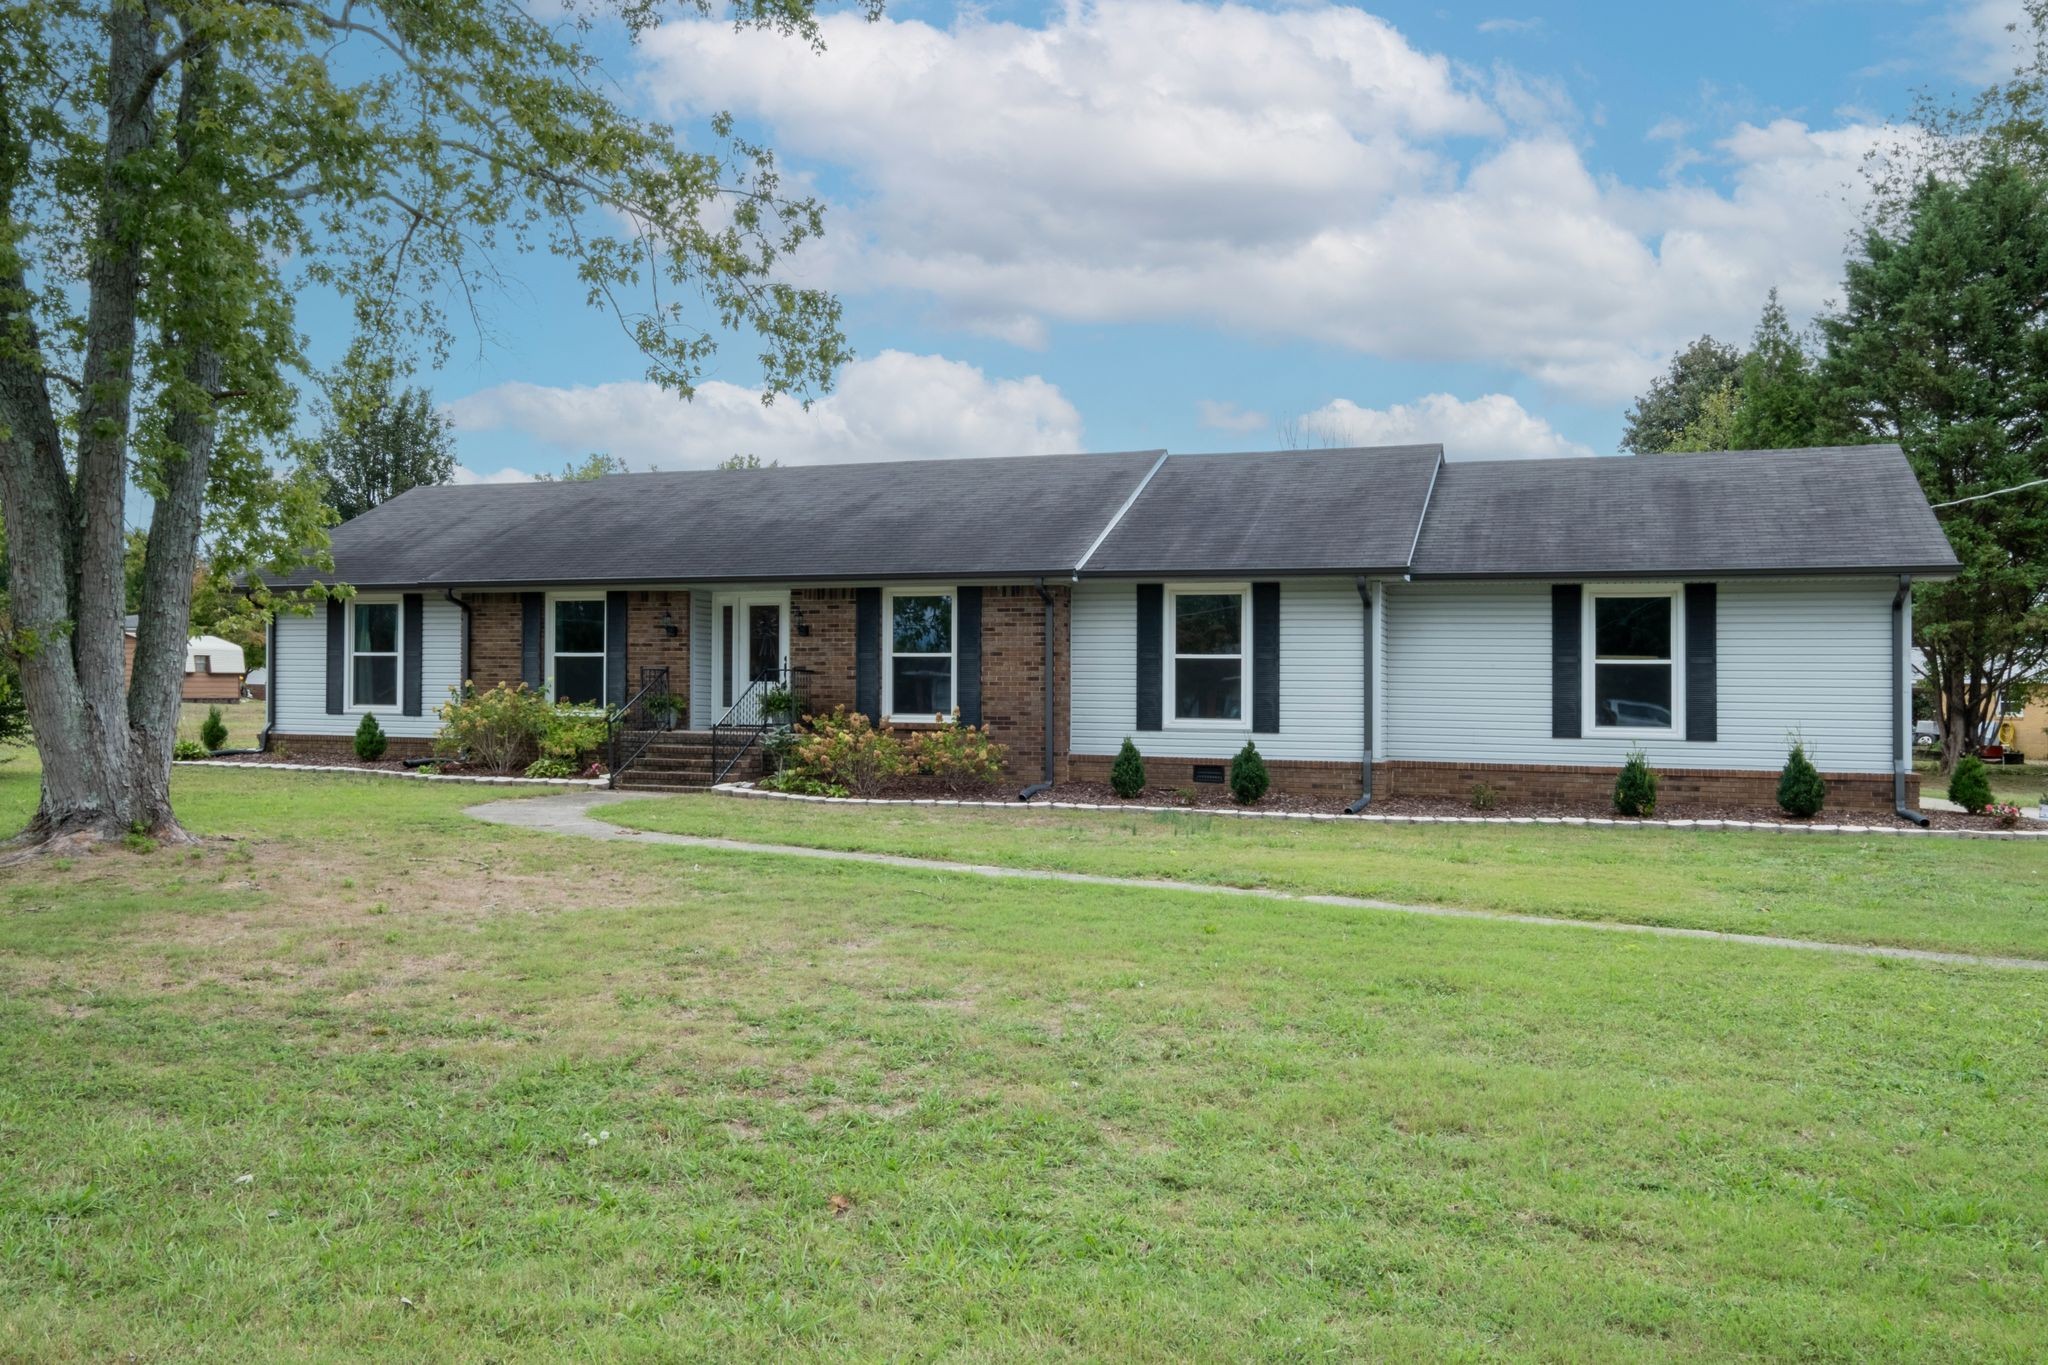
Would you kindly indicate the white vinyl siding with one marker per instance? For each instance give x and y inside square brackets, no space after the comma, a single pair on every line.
[702,666]
[1322,678]
[298,674]
[1467,677]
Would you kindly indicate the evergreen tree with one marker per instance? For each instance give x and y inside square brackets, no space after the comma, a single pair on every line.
[1781,407]
[1127,774]
[1801,792]
[1248,777]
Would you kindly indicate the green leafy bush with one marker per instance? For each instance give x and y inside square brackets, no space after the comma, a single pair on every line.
[213,731]
[778,704]
[551,767]
[1635,790]
[1801,793]
[370,741]
[790,781]
[185,751]
[14,726]
[573,733]
[1484,797]
[500,729]
[1248,778]
[959,756]
[848,751]
[1127,774]
[1969,786]
[668,709]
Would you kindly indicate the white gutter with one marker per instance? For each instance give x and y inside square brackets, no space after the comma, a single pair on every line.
[1121,512]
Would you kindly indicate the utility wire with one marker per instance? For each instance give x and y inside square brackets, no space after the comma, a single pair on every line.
[1994,493]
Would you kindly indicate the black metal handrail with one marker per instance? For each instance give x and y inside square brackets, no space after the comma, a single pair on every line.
[745,721]
[653,683]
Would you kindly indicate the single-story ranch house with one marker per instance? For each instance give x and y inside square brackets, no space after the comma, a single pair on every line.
[1379,621]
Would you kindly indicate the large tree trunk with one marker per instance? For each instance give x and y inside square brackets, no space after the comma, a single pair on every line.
[103,774]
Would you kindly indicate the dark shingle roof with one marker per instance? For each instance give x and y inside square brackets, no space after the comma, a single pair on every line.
[1349,511]
[1832,509]
[923,518]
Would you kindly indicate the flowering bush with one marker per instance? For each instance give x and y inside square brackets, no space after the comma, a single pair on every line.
[959,756]
[2003,815]
[847,751]
[573,733]
[500,729]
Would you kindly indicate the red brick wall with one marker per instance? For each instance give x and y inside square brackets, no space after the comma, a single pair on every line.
[1012,665]
[649,646]
[1860,793]
[495,630]
[497,625]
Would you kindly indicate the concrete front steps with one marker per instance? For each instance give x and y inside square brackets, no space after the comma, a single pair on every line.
[680,760]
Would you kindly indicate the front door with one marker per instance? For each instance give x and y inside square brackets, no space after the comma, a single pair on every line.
[753,643]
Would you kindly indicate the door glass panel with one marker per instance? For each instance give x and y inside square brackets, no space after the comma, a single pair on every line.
[764,641]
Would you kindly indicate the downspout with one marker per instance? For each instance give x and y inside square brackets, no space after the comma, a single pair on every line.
[1365,775]
[1902,711]
[449,593]
[1045,596]
[269,686]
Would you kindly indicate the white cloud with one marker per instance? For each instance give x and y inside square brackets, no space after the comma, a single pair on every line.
[1229,417]
[1491,427]
[1510,25]
[893,406]
[464,474]
[1986,47]
[1302,172]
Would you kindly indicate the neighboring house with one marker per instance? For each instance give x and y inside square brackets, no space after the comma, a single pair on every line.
[214,667]
[1377,621]
[255,683]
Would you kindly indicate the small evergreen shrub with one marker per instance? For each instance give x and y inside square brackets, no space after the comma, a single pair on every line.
[185,751]
[1484,797]
[1635,790]
[1801,793]
[370,741]
[1248,779]
[1969,786]
[847,750]
[1127,774]
[213,732]
[959,756]
[551,767]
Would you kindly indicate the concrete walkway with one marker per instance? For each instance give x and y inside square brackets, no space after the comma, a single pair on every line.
[570,813]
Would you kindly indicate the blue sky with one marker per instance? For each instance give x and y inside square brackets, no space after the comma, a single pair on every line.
[1153,223]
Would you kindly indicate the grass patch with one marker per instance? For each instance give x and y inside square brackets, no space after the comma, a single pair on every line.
[2021,784]
[1966,896]
[376,1081]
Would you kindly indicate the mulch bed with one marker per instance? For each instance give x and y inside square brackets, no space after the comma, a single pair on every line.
[1099,793]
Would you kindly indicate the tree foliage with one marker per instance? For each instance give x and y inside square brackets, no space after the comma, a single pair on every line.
[1801,790]
[377,442]
[1678,398]
[595,465]
[174,175]
[1782,405]
[1941,344]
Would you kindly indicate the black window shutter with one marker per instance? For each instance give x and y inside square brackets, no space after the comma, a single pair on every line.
[1702,721]
[1567,678]
[415,615]
[337,654]
[867,653]
[533,639]
[967,652]
[1266,658]
[1151,626]
[615,648]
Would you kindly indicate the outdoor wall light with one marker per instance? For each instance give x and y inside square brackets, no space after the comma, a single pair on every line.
[668,623]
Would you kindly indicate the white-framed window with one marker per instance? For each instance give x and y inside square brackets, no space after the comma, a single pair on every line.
[576,657]
[1633,643]
[375,647]
[1208,638]
[918,674]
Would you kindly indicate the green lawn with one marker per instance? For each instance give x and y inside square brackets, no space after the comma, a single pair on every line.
[244,720]
[374,1081]
[1966,895]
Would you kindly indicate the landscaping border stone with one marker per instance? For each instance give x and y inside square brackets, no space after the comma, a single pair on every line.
[480,779]
[749,791]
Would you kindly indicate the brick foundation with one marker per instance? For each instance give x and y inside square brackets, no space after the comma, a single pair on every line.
[326,747]
[1317,780]
[1530,784]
